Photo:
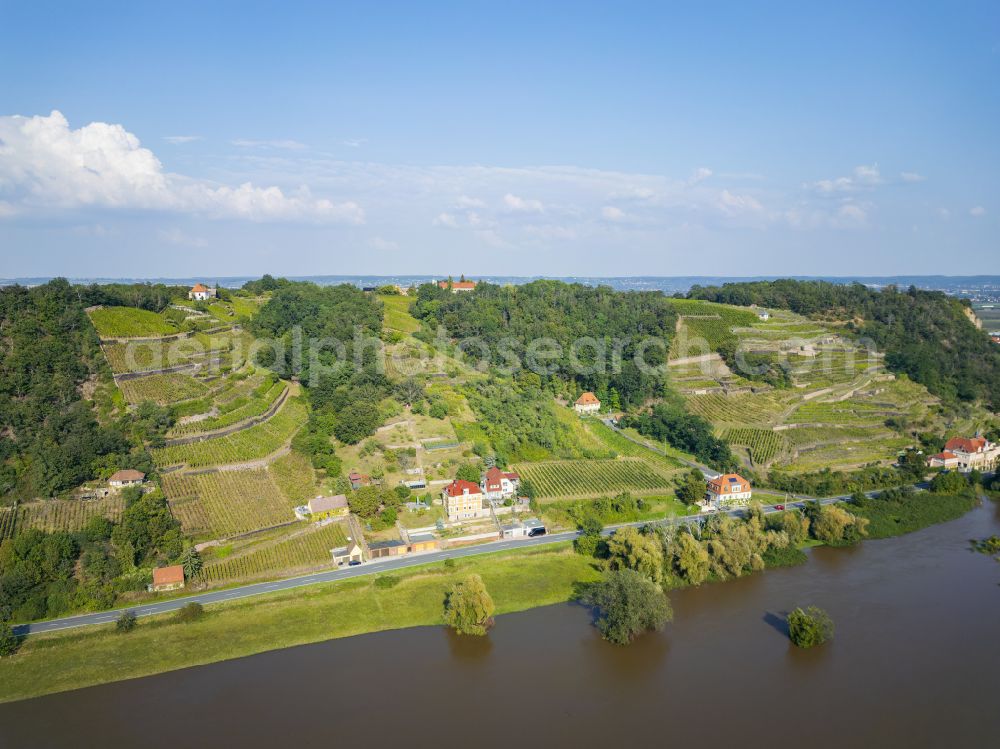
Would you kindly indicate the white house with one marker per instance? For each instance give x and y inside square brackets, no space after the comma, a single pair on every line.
[587,404]
[728,489]
[763,315]
[976,453]
[200,293]
[128,477]
[497,484]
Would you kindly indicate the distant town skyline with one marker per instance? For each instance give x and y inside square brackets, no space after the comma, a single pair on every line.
[513,140]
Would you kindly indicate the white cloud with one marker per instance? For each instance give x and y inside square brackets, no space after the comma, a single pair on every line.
[45,166]
[354,142]
[176,236]
[700,175]
[446,219]
[382,244]
[863,177]
[733,204]
[522,205]
[178,139]
[977,211]
[287,145]
[911,177]
[464,201]
[613,213]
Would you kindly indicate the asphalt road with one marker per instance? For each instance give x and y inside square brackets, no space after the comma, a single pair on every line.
[345,573]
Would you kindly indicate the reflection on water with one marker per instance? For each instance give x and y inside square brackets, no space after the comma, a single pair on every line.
[913,664]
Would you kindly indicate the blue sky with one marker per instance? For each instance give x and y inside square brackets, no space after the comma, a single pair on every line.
[500,138]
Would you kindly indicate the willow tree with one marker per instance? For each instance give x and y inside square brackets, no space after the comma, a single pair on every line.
[468,607]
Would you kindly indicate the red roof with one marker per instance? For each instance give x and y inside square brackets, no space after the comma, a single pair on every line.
[127,475]
[945,456]
[457,284]
[458,487]
[966,445]
[733,480]
[198,287]
[168,575]
[587,399]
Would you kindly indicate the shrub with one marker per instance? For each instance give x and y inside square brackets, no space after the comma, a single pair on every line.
[385,582]
[9,642]
[190,612]
[126,622]
[809,627]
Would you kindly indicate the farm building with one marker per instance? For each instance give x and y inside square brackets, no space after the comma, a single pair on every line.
[457,286]
[463,500]
[168,578]
[587,404]
[200,293]
[346,554]
[728,489]
[328,507]
[497,484]
[128,477]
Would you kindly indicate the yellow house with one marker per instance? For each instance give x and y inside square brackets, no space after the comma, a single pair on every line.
[328,507]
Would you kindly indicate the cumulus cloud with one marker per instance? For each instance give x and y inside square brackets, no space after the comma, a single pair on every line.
[613,213]
[700,175]
[863,177]
[522,205]
[977,211]
[46,166]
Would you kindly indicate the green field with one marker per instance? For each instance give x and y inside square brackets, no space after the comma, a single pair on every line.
[226,503]
[762,444]
[308,549]
[51,515]
[396,310]
[294,476]
[162,389]
[255,443]
[562,479]
[235,410]
[78,658]
[130,322]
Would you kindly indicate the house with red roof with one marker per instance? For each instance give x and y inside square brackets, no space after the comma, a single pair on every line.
[970,453]
[728,489]
[168,578]
[497,484]
[128,477]
[463,500]
[200,293]
[457,286]
[943,459]
[587,404]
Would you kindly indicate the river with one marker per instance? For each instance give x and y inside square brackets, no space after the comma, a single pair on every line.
[915,663]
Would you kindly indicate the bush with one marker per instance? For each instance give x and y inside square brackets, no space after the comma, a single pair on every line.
[126,622]
[9,642]
[809,627]
[190,612]
[384,582]
[587,545]
[628,604]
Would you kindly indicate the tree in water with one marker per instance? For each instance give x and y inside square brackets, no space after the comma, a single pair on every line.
[629,603]
[468,607]
[809,627]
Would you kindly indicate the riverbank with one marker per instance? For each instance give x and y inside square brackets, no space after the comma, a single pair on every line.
[517,580]
[78,658]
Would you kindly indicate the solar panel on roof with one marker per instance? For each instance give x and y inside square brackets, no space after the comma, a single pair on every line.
[733,480]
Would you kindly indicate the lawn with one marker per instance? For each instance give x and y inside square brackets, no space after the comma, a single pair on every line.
[891,518]
[130,322]
[516,580]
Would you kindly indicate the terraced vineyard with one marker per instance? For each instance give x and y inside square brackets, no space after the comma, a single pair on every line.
[255,443]
[310,549]
[162,389]
[396,310]
[622,446]
[235,410]
[130,322]
[226,503]
[762,444]
[225,349]
[566,479]
[295,477]
[51,515]
[761,408]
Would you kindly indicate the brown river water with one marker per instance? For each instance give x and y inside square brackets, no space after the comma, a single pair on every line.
[915,663]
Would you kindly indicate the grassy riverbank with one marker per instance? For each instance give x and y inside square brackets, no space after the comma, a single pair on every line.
[95,655]
[891,517]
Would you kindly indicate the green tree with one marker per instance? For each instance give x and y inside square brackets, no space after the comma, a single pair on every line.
[468,472]
[468,607]
[809,627]
[190,612]
[835,525]
[691,559]
[438,410]
[9,642]
[629,604]
[691,487]
[630,549]
[192,562]
[949,482]
[365,502]
[126,622]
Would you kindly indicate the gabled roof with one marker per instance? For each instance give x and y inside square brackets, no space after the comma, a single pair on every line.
[198,287]
[588,399]
[168,575]
[965,444]
[458,487]
[457,284]
[727,480]
[128,474]
[327,504]
[945,456]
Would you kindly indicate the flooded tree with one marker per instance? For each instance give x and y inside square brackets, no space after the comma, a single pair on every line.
[468,607]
